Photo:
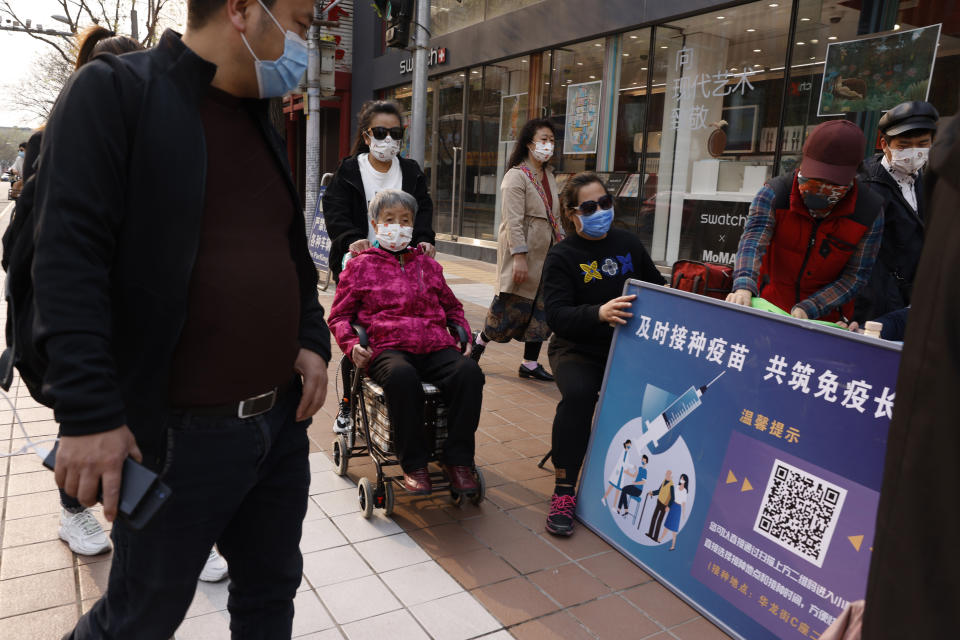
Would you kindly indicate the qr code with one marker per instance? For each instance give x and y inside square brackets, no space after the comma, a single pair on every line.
[799,511]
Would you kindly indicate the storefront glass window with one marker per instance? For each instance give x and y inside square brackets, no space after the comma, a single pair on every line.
[404,97]
[448,154]
[720,76]
[576,89]
[497,110]
[631,109]
[880,56]
[544,84]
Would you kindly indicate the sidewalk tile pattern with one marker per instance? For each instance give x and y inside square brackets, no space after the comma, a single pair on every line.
[432,570]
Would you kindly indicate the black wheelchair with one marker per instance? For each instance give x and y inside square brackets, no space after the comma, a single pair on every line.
[371,434]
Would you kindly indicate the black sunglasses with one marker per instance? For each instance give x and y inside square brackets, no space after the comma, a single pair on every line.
[589,207]
[380,133]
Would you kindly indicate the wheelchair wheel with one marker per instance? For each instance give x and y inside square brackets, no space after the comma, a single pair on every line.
[341,455]
[478,497]
[365,494]
[388,500]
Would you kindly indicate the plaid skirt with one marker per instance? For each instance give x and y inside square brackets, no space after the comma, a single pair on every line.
[512,317]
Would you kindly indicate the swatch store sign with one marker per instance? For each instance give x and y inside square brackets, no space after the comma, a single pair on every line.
[437,55]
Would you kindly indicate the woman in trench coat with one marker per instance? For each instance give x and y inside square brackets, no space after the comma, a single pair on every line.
[530,225]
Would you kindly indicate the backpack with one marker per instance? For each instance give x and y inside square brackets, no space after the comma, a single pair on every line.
[704,278]
[18,251]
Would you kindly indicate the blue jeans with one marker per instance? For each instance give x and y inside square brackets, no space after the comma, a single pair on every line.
[242,484]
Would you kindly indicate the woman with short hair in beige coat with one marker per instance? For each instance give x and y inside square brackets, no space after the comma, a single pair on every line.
[530,225]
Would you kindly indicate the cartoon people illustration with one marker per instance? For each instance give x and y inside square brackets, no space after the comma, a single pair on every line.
[675,511]
[634,489]
[664,499]
[616,476]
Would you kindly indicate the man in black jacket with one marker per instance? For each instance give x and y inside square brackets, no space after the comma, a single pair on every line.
[906,133]
[181,321]
[913,591]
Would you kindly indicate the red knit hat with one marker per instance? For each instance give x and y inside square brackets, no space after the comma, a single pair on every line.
[833,151]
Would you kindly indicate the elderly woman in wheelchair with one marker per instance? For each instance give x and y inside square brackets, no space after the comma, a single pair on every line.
[399,297]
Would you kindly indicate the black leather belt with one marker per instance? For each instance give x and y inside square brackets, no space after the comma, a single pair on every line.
[249,408]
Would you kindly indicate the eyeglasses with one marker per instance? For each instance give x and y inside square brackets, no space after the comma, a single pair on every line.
[380,133]
[589,207]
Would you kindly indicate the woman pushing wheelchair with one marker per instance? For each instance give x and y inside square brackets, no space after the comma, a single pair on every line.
[399,296]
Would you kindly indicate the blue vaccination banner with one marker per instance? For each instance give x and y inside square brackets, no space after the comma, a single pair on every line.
[319,243]
[737,456]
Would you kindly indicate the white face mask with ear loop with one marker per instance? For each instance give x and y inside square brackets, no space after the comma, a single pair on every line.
[394,237]
[542,151]
[909,160]
[384,150]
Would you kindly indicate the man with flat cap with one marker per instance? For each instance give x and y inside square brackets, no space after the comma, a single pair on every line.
[906,134]
[812,236]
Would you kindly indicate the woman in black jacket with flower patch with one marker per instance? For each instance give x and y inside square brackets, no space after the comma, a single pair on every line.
[583,279]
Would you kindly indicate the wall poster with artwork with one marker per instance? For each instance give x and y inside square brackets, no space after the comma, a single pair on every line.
[513,114]
[583,117]
[876,74]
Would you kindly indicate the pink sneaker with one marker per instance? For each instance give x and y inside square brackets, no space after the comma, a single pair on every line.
[560,518]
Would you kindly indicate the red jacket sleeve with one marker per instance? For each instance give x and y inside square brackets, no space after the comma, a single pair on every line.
[346,304]
[452,307]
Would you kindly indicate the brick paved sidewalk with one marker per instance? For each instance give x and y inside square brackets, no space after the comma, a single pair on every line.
[420,576]
[536,585]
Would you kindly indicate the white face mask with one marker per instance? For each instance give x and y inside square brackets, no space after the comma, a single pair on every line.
[543,151]
[384,150]
[394,237]
[909,160]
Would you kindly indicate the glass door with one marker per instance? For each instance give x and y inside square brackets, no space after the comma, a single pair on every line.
[448,154]
[498,109]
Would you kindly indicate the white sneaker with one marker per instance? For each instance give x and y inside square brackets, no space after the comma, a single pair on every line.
[344,422]
[215,569]
[83,533]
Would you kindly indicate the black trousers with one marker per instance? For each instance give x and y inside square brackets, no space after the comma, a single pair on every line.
[579,376]
[70,503]
[657,520]
[346,376]
[458,378]
[635,490]
[242,484]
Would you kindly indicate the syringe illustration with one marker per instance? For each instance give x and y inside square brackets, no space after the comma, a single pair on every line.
[673,415]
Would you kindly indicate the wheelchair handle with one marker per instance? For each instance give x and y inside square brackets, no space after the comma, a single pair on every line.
[462,335]
[364,342]
[362,334]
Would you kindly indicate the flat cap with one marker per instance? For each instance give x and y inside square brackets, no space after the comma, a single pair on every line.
[908,116]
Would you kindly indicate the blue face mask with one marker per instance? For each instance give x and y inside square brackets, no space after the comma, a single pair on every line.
[596,225]
[278,77]
[20,153]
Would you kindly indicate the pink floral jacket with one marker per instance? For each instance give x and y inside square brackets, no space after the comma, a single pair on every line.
[404,303]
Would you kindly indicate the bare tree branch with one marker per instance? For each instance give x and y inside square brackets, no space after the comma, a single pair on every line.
[6,9]
[37,92]
[108,13]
